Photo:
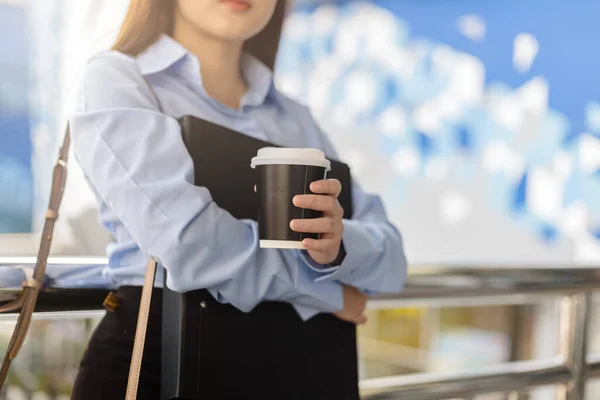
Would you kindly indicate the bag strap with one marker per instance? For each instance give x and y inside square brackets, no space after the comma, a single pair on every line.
[139,341]
[26,300]
[137,356]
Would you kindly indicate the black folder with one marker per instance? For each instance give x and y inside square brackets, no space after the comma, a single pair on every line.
[202,338]
[222,164]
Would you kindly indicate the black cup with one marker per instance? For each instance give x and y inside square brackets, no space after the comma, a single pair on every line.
[283,173]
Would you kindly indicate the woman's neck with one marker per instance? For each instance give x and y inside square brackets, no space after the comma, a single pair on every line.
[219,63]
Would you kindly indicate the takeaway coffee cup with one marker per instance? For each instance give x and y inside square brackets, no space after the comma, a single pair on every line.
[283,173]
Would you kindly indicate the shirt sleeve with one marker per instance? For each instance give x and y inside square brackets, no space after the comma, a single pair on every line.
[135,158]
[375,261]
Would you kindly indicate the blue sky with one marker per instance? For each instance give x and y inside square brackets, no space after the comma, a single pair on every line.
[568,34]
[15,139]
[14,114]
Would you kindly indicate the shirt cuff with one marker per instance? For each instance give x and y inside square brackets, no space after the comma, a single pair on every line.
[324,269]
[329,298]
[358,247]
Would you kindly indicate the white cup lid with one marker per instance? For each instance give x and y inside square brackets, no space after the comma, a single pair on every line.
[288,156]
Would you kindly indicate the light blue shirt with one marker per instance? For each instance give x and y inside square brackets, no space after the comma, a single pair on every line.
[127,139]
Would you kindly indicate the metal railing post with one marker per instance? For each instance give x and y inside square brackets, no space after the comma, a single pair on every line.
[574,324]
[516,395]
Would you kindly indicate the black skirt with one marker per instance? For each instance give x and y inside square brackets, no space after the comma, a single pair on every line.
[269,353]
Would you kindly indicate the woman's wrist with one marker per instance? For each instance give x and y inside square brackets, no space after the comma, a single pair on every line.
[340,257]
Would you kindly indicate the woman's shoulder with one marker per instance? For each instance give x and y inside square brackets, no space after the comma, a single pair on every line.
[110,57]
[110,78]
[110,62]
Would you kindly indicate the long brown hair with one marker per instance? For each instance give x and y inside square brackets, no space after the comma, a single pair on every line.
[146,20]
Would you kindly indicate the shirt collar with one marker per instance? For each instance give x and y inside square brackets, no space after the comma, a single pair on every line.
[166,52]
[259,79]
[160,55]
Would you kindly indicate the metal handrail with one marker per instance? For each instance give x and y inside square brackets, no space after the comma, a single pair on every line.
[498,378]
[431,283]
[440,284]
[570,370]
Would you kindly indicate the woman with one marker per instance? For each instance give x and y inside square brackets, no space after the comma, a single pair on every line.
[213,59]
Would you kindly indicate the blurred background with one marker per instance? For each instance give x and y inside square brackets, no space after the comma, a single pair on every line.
[477,121]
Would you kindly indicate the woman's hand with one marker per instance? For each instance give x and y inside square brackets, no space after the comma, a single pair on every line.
[355,303]
[325,250]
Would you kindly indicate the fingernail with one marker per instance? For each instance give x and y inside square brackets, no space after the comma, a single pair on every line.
[294,224]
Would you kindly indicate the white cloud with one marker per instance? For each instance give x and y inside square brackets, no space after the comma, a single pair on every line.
[472,26]
[562,165]
[360,91]
[427,119]
[399,61]
[574,219]
[592,116]
[509,113]
[325,19]
[443,59]
[468,79]
[392,121]
[381,27]
[545,194]
[298,26]
[589,153]
[347,41]
[454,207]
[499,157]
[405,162]
[534,96]
[514,110]
[586,249]
[525,50]
[319,90]
[290,84]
